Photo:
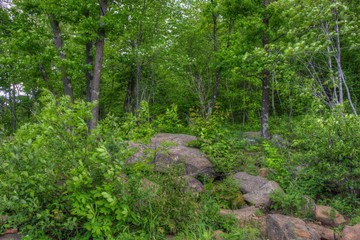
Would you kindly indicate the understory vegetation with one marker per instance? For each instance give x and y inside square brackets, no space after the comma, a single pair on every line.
[61,182]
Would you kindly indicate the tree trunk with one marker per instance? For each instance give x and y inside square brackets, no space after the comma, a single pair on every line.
[338,57]
[265,83]
[59,46]
[46,78]
[95,82]
[129,101]
[341,75]
[218,71]
[88,72]
[12,101]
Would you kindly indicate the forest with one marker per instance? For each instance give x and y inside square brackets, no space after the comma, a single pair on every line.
[257,85]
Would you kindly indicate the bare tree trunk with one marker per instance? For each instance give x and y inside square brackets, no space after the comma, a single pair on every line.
[218,71]
[341,75]
[55,25]
[95,82]
[338,56]
[335,99]
[265,83]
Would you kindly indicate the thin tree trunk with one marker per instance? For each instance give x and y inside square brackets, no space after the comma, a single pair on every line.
[265,83]
[273,94]
[338,55]
[341,75]
[218,71]
[95,82]
[88,72]
[55,26]
[13,108]
[129,103]
[139,62]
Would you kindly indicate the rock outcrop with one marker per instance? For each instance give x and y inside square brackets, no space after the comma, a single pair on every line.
[170,150]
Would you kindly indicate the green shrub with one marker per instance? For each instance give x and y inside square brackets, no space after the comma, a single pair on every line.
[278,164]
[226,193]
[293,203]
[329,151]
[216,141]
[59,181]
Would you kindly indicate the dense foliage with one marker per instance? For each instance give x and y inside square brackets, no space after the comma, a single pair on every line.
[211,68]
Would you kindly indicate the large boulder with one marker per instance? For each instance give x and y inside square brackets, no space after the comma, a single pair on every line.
[194,161]
[281,227]
[351,233]
[328,216]
[257,189]
[168,150]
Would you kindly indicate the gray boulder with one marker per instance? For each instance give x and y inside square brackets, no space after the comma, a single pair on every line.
[194,161]
[257,189]
[281,227]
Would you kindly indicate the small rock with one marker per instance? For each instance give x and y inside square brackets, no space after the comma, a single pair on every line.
[328,216]
[281,227]
[244,215]
[324,232]
[351,232]
[194,185]
[263,172]
[218,235]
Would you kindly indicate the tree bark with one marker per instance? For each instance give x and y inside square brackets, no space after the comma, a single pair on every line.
[265,82]
[55,26]
[95,82]
[218,71]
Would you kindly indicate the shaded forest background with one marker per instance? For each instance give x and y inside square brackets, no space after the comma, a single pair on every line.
[194,54]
